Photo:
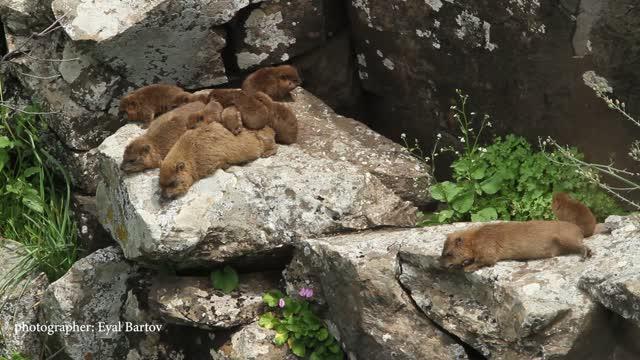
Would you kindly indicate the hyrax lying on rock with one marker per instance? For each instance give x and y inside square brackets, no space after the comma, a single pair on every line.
[147,102]
[281,119]
[231,118]
[276,81]
[148,150]
[226,97]
[214,112]
[485,245]
[255,111]
[200,152]
[567,209]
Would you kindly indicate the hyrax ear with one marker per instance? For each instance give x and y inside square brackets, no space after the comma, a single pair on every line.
[180,166]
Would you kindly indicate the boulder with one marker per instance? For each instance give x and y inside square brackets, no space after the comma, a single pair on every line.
[91,235]
[368,312]
[276,31]
[253,342]
[613,278]
[194,302]
[341,176]
[513,310]
[155,41]
[19,304]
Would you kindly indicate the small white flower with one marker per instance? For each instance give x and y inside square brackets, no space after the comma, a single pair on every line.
[403,136]
[473,113]
[439,136]
[489,124]
[461,139]
[453,107]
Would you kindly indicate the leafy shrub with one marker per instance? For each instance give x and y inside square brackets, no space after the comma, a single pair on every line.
[296,325]
[226,279]
[35,196]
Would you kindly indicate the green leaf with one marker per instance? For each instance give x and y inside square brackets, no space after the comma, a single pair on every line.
[268,320]
[28,172]
[281,338]
[492,184]
[463,202]
[226,280]
[322,334]
[444,191]
[297,347]
[334,348]
[444,215]
[316,355]
[4,158]
[486,214]
[479,172]
[5,142]
[271,298]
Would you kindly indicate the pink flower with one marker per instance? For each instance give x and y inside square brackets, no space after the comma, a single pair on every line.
[306,293]
[281,303]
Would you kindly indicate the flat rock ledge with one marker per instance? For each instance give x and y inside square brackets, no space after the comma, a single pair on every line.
[194,302]
[518,310]
[340,177]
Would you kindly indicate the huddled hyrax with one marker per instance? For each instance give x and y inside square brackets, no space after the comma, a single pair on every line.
[275,81]
[213,112]
[148,150]
[231,118]
[567,209]
[485,245]
[202,151]
[256,112]
[226,97]
[281,119]
[148,102]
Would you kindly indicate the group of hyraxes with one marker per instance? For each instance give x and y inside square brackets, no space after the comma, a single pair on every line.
[190,136]
[480,246]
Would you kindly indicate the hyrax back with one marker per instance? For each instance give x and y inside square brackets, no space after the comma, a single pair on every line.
[276,81]
[148,102]
[567,209]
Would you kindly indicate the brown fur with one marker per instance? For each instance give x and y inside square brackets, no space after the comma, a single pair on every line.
[276,81]
[148,150]
[567,209]
[202,151]
[487,244]
[213,113]
[231,118]
[148,102]
[226,97]
[281,119]
[256,114]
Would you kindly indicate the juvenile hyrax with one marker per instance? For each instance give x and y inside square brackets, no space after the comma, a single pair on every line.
[213,112]
[226,97]
[202,151]
[485,245]
[231,118]
[256,112]
[147,102]
[281,119]
[567,209]
[148,150]
[276,81]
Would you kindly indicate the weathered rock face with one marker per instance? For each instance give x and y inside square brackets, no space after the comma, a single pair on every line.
[91,234]
[519,60]
[19,305]
[512,310]
[340,176]
[368,312]
[253,342]
[277,31]
[193,301]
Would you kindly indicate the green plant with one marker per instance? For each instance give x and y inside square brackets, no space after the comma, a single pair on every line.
[297,326]
[508,180]
[226,279]
[14,356]
[33,209]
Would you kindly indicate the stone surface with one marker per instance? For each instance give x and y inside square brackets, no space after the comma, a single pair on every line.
[277,31]
[193,301]
[23,16]
[334,180]
[515,58]
[368,312]
[613,279]
[92,235]
[253,342]
[19,304]
[154,41]
[512,310]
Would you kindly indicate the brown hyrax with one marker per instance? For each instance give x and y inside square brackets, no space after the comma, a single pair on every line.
[567,209]
[485,245]
[148,102]
[232,119]
[213,112]
[148,150]
[200,152]
[226,97]
[281,119]
[276,81]
[256,113]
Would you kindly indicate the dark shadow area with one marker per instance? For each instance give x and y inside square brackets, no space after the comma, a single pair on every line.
[3,41]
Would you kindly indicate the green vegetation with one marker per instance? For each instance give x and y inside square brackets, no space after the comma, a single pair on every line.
[296,325]
[226,279]
[34,198]
[14,356]
[509,180]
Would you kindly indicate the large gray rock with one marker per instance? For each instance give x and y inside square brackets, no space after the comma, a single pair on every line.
[339,177]
[253,342]
[194,302]
[154,41]
[613,278]
[513,310]
[19,304]
[368,312]
[24,16]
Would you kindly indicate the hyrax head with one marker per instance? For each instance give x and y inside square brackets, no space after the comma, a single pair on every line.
[175,179]
[456,253]
[288,77]
[134,109]
[138,156]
